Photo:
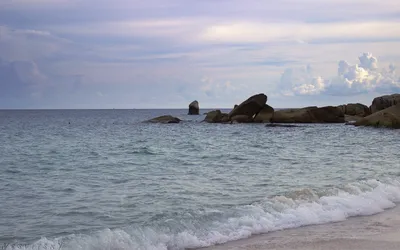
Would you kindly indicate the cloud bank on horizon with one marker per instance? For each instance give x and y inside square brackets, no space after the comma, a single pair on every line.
[355,79]
[149,54]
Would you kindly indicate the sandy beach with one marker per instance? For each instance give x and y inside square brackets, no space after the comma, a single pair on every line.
[380,231]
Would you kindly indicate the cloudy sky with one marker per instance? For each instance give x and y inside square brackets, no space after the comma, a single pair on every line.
[166,53]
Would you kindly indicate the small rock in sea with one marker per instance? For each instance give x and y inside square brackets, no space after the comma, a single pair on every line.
[194,108]
[165,119]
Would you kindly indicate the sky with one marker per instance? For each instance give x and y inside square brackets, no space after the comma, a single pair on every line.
[166,53]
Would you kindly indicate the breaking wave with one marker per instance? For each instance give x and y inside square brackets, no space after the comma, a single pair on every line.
[210,227]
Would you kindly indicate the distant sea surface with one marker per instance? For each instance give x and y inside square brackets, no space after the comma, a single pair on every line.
[103,179]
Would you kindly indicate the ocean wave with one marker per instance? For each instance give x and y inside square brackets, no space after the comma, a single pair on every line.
[291,210]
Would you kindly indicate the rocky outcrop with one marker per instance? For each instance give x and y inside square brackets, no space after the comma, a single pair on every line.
[387,118]
[383,102]
[355,109]
[251,107]
[326,114]
[216,116]
[165,119]
[194,108]
[265,115]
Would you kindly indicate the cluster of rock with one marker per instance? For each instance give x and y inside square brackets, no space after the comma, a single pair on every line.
[384,112]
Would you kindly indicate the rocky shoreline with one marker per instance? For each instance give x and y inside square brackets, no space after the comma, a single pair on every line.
[383,112]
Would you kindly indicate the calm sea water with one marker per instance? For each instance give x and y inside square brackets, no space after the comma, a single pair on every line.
[102,179]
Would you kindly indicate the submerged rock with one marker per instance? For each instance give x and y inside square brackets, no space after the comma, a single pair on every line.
[194,108]
[250,107]
[165,119]
[386,118]
[383,102]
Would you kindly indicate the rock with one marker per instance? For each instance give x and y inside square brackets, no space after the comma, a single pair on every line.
[194,108]
[355,109]
[216,116]
[165,119]
[241,119]
[326,114]
[251,107]
[383,102]
[265,114]
[387,118]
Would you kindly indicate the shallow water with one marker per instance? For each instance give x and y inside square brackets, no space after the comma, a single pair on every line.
[102,179]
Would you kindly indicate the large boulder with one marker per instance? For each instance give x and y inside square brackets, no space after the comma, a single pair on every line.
[355,109]
[265,114]
[165,119]
[326,114]
[388,118]
[216,116]
[383,102]
[194,108]
[251,107]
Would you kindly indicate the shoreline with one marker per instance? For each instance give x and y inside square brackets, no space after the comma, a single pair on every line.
[379,231]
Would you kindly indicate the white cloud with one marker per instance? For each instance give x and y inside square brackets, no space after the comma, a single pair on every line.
[351,79]
[300,81]
[250,32]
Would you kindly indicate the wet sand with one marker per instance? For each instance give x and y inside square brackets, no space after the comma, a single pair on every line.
[381,231]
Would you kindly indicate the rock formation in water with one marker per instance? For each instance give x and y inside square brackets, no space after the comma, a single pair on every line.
[165,119]
[194,108]
[384,112]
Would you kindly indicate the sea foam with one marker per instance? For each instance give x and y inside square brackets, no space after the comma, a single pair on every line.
[295,209]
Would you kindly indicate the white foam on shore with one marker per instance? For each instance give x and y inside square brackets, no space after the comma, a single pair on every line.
[300,208]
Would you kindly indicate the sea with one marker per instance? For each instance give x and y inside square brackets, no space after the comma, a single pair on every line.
[104,179]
